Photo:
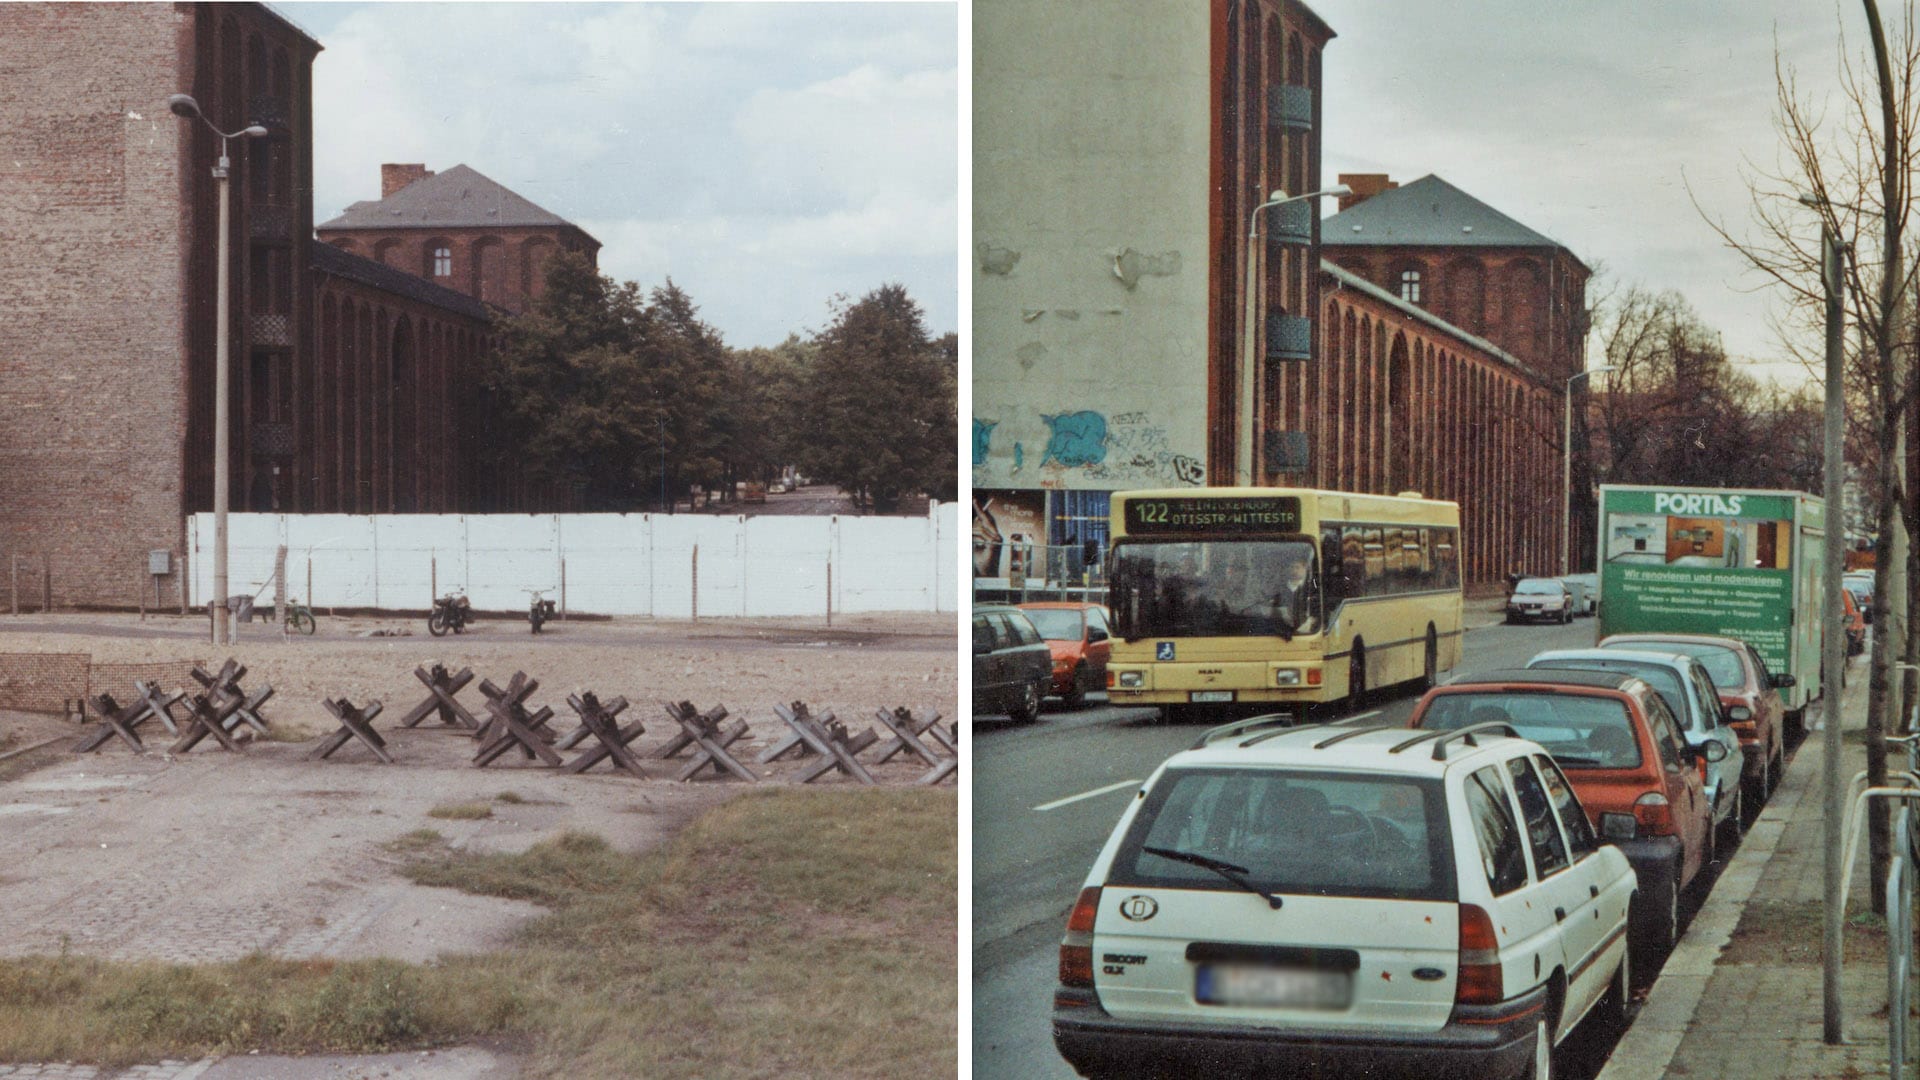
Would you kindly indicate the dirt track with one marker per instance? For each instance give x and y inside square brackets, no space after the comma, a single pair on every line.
[210,855]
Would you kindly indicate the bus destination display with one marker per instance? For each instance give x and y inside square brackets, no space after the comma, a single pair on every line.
[1182,515]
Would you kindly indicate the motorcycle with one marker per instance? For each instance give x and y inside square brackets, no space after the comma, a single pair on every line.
[450,612]
[539,611]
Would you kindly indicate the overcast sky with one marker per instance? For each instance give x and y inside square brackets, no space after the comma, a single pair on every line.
[766,156]
[1588,122]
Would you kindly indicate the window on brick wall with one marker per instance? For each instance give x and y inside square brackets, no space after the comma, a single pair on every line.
[442,262]
[1410,286]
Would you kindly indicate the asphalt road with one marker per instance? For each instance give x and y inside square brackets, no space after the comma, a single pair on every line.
[1045,797]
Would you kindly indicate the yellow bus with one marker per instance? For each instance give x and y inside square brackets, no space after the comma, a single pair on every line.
[1278,597]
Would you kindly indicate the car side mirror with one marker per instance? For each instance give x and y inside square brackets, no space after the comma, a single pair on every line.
[1783,682]
[1715,751]
[1096,634]
[982,648]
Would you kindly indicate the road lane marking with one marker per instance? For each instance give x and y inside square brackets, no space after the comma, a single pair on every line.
[1057,803]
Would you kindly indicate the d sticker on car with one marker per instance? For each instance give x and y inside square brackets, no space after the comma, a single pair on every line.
[1139,908]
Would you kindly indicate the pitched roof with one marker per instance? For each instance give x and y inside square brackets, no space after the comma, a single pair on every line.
[331,260]
[456,198]
[1427,213]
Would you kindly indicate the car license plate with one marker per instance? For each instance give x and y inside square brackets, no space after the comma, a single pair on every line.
[1295,988]
[1205,697]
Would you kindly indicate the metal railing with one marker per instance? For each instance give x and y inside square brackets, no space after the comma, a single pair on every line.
[1903,787]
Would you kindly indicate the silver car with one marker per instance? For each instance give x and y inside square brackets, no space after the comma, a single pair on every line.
[1683,683]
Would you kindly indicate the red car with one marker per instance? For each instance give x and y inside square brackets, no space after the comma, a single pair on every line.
[1748,691]
[1080,640]
[1629,763]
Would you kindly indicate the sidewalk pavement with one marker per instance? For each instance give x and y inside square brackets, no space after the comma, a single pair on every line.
[1741,994]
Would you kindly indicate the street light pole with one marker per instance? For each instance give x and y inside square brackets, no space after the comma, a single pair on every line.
[1832,658]
[1566,471]
[1249,385]
[184,106]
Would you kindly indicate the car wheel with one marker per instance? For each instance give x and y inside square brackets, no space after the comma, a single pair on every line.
[1357,678]
[1658,911]
[1542,1066]
[1758,788]
[1076,694]
[1734,827]
[1566,616]
[1027,709]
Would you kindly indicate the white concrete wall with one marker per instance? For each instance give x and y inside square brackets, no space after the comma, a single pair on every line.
[1090,153]
[614,564]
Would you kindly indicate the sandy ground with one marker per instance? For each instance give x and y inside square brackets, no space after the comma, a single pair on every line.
[208,855]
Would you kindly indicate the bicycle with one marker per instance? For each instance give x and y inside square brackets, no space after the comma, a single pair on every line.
[300,618]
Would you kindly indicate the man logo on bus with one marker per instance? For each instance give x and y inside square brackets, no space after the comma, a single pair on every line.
[1693,505]
[1163,650]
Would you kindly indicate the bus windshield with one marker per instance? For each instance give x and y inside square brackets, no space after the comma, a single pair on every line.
[1215,588]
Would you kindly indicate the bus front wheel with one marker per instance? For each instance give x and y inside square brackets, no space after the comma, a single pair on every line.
[1431,676]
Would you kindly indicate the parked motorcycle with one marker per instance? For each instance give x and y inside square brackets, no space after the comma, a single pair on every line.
[450,612]
[539,611]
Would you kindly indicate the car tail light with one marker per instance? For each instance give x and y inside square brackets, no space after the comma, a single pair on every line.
[1076,949]
[1654,813]
[1480,975]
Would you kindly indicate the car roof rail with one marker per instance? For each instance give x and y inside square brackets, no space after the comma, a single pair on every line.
[1358,729]
[1241,727]
[1469,734]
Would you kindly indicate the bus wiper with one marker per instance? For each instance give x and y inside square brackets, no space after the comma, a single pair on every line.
[1233,873]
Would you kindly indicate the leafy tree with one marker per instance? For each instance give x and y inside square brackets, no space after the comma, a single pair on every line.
[881,401]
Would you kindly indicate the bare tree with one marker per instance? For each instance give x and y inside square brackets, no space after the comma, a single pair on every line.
[1852,172]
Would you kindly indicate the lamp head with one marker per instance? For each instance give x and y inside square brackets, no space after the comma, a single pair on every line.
[254,131]
[1340,191]
[183,105]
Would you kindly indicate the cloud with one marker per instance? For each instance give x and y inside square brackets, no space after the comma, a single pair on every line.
[772,153]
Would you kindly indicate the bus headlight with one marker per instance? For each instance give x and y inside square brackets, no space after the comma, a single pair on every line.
[1286,676]
[1130,680]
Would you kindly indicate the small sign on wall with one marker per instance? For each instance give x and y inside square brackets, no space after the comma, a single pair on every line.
[1287,451]
[159,562]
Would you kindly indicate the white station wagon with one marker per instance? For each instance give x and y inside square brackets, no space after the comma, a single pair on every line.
[1345,900]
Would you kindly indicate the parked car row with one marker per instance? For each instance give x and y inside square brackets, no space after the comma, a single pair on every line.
[1024,652]
[1366,899]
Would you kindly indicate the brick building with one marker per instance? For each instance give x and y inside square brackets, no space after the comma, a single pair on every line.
[107,341]
[460,230]
[1118,159]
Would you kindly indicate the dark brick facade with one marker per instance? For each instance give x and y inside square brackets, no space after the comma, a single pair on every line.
[107,275]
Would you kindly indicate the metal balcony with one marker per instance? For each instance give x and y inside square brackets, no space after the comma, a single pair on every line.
[1290,108]
[1290,223]
[1289,337]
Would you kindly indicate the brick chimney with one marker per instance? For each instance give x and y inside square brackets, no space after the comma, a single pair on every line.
[1365,186]
[395,177]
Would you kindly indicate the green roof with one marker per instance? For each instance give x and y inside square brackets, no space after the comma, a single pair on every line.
[1428,212]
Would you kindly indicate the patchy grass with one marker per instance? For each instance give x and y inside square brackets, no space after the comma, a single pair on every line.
[415,842]
[461,811]
[512,797]
[1772,931]
[788,932]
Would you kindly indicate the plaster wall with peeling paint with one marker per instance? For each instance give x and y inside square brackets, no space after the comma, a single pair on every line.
[1090,201]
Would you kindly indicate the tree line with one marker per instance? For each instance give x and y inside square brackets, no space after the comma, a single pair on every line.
[625,400]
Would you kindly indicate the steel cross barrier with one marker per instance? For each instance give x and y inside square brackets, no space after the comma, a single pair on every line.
[512,725]
[226,683]
[115,719]
[598,719]
[950,739]
[907,730]
[441,687]
[829,739]
[212,713]
[354,724]
[703,730]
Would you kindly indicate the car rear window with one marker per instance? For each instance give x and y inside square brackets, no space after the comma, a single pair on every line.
[1328,834]
[1581,731]
[1664,680]
[1056,624]
[1722,663]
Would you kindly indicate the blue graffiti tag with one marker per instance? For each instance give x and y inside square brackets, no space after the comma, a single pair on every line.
[982,439]
[1078,439]
[1019,457]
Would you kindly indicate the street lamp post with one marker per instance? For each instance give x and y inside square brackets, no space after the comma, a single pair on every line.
[1249,385]
[1566,470]
[183,105]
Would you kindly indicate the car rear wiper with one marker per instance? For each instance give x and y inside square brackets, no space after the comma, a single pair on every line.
[1233,873]
[1569,759]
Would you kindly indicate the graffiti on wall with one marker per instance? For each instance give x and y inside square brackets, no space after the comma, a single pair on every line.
[1088,448]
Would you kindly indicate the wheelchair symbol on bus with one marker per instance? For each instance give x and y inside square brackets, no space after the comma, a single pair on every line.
[1163,650]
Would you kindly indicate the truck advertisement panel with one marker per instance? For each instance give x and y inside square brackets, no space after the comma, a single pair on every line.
[1726,563]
